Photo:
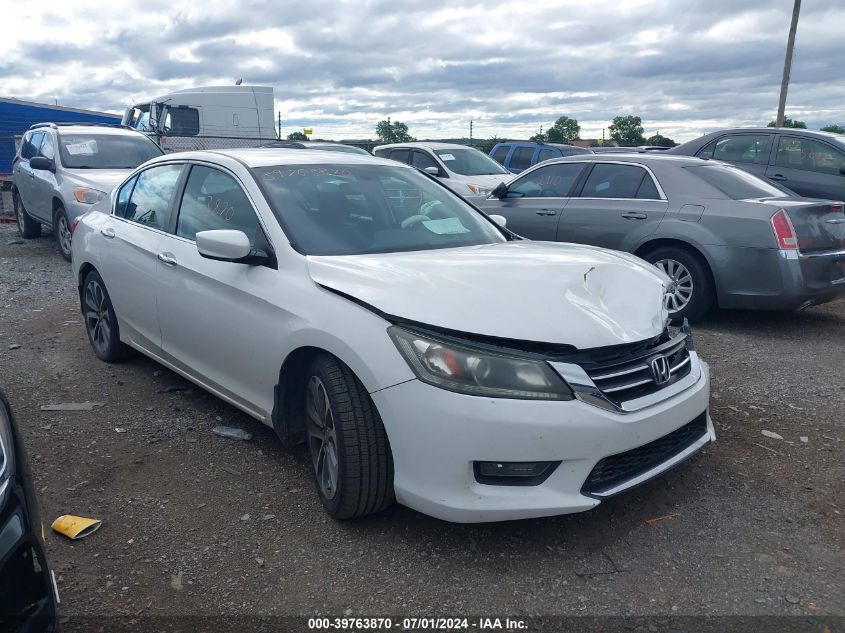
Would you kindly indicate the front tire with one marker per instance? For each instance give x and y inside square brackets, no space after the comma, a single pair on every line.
[693,293]
[100,320]
[27,227]
[347,443]
[62,232]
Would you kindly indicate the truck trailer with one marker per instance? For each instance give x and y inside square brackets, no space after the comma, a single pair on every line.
[206,117]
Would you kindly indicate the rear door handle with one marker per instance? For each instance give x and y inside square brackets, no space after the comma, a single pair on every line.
[167,258]
[546,212]
[634,215]
[836,221]
[777,177]
[109,233]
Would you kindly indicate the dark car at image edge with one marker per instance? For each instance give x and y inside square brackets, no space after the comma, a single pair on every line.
[28,595]
[808,163]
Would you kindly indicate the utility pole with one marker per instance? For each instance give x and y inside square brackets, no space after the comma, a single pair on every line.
[470,132]
[389,131]
[280,125]
[787,63]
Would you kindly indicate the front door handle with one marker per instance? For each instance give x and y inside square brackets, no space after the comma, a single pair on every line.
[167,258]
[777,177]
[634,215]
[546,212]
[109,233]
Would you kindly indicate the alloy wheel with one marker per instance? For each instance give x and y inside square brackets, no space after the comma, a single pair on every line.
[680,293]
[64,234]
[97,320]
[322,436]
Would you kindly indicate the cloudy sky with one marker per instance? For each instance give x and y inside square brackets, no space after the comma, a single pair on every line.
[684,66]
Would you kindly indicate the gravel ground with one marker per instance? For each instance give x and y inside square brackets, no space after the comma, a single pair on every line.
[193,523]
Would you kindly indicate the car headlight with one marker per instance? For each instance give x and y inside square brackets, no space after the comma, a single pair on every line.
[86,195]
[7,454]
[477,372]
[479,190]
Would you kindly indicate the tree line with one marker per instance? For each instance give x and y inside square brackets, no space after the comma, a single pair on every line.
[625,131]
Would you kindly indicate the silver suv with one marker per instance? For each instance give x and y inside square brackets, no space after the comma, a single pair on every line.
[62,169]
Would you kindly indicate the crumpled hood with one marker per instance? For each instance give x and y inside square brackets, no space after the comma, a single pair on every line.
[101,179]
[533,291]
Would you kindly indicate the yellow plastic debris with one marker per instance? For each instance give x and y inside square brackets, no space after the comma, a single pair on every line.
[75,527]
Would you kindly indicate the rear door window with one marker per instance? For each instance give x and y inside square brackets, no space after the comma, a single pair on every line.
[214,200]
[400,155]
[501,153]
[521,158]
[648,190]
[614,180]
[803,153]
[421,160]
[546,154]
[151,201]
[551,181]
[739,148]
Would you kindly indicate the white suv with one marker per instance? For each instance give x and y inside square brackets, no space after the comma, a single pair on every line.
[61,170]
[419,349]
[465,170]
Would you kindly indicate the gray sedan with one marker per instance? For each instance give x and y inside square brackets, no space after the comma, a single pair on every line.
[723,235]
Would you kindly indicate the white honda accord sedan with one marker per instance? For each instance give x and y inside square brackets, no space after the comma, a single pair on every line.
[420,350]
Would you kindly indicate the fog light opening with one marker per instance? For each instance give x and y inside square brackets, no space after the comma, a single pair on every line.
[513,473]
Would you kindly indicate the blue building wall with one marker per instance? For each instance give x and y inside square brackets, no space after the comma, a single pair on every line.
[17,116]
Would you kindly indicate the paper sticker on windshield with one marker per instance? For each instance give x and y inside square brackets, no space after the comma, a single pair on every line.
[446,157]
[83,148]
[449,226]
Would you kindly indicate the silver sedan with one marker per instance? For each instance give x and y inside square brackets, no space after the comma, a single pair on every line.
[724,236]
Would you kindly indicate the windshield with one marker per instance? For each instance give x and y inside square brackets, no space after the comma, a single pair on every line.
[737,184]
[106,151]
[138,118]
[469,162]
[358,209]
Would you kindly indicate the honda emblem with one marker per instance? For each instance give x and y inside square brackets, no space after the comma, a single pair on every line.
[660,370]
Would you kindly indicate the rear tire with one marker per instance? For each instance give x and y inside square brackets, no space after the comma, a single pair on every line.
[347,443]
[27,227]
[694,293]
[100,320]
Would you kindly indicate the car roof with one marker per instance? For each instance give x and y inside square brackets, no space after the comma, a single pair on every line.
[786,130]
[270,156]
[541,144]
[425,145]
[84,128]
[645,158]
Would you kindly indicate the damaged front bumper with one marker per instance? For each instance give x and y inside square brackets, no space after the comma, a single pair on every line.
[438,437]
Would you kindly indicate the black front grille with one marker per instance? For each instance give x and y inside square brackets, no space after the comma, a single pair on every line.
[616,469]
[628,378]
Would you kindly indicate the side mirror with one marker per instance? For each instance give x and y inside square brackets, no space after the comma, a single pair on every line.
[39,162]
[842,169]
[499,219]
[434,171]
[224,245]
[500,191]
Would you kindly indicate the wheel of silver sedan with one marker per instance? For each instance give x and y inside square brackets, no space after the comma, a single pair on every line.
[322,436]
[680,294]
[97,318]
